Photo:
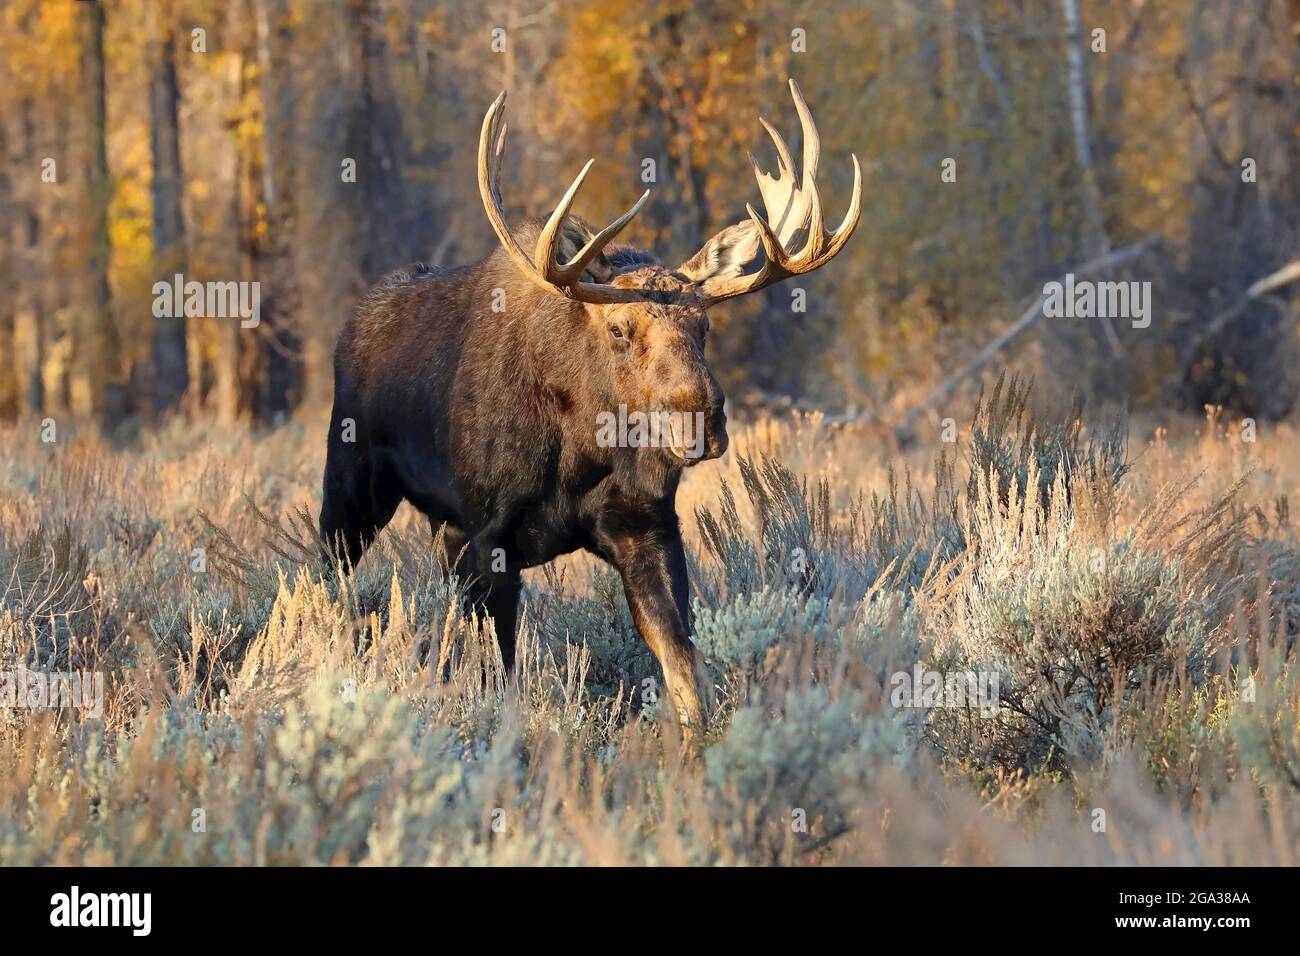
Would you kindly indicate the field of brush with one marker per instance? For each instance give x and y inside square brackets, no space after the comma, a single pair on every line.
[1134,586]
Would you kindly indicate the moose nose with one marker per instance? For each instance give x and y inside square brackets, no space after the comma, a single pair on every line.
[703,401]
[715,435]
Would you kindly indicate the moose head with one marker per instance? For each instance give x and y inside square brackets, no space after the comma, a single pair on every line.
[650,321]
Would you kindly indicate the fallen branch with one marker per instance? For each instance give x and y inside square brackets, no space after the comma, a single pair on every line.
[1285,276]
[1030,316]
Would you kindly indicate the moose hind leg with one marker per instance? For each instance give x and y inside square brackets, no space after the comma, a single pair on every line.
[360,498]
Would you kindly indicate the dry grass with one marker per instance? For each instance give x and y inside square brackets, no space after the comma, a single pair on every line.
[1136,589]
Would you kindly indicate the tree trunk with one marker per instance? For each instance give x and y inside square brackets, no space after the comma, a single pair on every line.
[170,361]
[30,326]
[374,140]
[276,270]
[9,387]
[96,349]
[1098,242]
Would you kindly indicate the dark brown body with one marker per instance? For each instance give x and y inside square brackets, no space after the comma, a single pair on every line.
[485,421]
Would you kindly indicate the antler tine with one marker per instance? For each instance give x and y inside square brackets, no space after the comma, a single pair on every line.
[812,142]
[784,161]
[810,207]
[770,240]
[545,253]
[603,238]
[815,244]
[780,193]
[850,220]
[491,147]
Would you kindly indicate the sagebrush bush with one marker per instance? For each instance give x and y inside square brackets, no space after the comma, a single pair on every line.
[1074,624]
[739,634]
[787,775]
[1266,721]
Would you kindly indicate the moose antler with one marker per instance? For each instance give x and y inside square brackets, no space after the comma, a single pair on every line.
[544,268]
[791,209]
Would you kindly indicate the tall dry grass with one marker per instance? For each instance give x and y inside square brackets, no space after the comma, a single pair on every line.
[1135,588]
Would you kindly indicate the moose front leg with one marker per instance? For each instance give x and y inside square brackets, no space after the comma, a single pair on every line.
[653,568]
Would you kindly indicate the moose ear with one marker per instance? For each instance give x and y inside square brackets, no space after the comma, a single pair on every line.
[725,255]
[574,234]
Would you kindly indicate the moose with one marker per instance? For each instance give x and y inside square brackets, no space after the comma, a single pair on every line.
[474,392]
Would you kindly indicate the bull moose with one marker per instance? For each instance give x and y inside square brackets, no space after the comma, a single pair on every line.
[474,393]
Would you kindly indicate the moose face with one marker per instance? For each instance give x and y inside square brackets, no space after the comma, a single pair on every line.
[656,343]
[657,366]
